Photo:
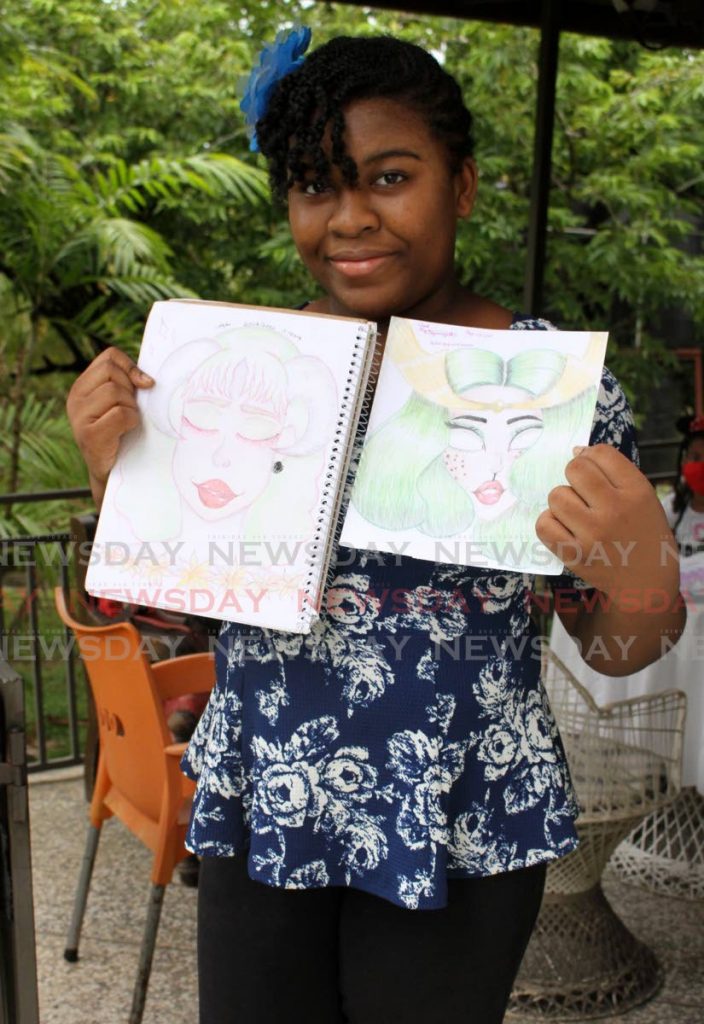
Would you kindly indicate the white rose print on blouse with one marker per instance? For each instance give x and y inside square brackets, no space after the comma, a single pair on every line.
[425,768]
[311,780]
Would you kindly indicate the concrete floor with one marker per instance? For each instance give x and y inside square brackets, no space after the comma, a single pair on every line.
[97,989]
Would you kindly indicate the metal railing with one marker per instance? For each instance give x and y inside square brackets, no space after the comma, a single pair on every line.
[27,564]
[18,967]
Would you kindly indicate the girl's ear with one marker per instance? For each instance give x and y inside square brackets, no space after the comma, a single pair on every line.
[466,181]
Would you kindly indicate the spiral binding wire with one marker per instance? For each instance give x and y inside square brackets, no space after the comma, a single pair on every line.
[359,377]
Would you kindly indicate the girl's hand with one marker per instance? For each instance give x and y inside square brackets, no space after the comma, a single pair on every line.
[101,407]
[609,528]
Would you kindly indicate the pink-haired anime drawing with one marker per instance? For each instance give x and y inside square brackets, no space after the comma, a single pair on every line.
[245,418]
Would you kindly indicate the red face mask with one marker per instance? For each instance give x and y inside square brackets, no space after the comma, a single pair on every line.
[693,473]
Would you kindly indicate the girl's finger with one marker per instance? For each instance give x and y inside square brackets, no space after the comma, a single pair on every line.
[612,464]
[106,395]
[117,367]
[139,378]
[569,508]
[557,538]
[116,421]
[117,357]
[588,480]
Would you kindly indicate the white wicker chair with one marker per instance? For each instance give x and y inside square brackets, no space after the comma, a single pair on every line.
[625,759]
[665,852]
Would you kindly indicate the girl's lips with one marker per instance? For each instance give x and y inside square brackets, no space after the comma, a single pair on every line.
[489,493]
[215,493]
[359,267]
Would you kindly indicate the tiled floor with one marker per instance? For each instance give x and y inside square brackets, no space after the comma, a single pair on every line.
[97,989]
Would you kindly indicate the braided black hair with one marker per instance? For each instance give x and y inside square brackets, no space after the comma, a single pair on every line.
[345,69]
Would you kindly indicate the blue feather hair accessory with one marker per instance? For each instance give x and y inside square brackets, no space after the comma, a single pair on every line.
[276,60]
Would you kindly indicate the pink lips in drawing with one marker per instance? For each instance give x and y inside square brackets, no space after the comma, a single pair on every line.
[215,493]
[489,493]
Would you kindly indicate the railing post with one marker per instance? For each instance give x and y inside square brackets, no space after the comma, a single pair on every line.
[18,966]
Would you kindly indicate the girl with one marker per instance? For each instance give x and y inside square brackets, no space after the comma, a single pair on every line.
[685,507]
[377,801]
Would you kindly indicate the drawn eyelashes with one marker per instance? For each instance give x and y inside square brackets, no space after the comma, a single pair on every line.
[198,430]
[471,439]
[205,418]
[525,437]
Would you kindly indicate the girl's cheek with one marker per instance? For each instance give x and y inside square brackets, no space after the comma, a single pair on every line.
[455,464]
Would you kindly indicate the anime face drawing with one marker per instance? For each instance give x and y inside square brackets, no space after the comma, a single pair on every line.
[233,428]
[246,419]
[484,445]
[475,451]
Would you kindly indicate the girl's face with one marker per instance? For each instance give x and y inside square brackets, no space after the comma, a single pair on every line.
[386,245]
[223,460]
[695,450]
[484,444]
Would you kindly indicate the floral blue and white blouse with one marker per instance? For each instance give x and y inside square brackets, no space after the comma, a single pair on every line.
[404,741]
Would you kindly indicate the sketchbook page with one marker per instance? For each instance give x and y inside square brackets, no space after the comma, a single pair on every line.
[218,503]
[469,431]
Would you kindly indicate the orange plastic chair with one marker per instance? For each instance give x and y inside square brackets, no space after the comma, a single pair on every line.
[138,777]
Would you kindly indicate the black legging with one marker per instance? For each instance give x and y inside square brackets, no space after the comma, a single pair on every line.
[328,956]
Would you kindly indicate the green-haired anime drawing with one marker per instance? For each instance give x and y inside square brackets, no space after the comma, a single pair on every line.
[482,467]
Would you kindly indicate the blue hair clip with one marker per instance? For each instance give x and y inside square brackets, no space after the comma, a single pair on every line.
[276,60]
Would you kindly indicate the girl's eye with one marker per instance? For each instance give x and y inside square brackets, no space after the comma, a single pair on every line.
[467,439]
[259,428]
[203,415]
[198,429]
[525,438]
[316,187]
[389,178]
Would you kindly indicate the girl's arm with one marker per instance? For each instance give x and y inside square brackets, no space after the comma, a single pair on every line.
[609,528]
[101,407]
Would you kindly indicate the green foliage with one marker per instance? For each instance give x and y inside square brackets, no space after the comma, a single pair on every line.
[125,176]
[50,461]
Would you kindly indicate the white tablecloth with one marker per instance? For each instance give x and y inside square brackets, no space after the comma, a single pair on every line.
[682,668]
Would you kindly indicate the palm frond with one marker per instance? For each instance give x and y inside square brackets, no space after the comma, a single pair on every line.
[17,151]
[49,458]
[161,179]
[121,244]
[43,60]
[146,286]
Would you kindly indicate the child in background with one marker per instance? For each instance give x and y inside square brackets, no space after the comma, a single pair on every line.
[685,507]
[374,815]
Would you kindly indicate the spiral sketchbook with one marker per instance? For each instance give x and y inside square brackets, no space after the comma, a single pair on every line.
[224,501]
[481,424]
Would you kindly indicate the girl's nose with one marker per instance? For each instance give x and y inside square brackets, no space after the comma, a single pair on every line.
[497,461]
[221,457]
[353,213]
